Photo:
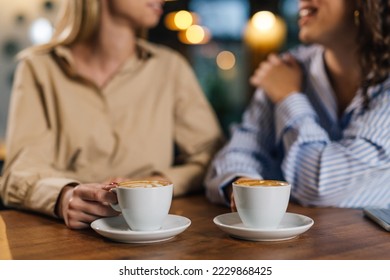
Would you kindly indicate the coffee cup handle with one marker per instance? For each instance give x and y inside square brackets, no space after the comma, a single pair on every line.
[115,206]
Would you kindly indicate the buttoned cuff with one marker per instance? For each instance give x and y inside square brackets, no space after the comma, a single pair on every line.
[44,196]
[290,111]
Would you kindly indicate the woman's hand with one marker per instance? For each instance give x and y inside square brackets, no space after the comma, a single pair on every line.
[81,205]
[233,207]
[278,77]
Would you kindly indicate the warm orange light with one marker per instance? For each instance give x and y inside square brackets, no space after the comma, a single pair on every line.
[265,31]
[170,21]
[226,60]
[2,150]
[183,20]
[180,20]
[195,34]
[263,21]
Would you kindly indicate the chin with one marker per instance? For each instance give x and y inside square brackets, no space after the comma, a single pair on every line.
[305,37]
[151,24]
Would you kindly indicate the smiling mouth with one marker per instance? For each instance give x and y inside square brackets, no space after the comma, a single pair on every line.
[305,12]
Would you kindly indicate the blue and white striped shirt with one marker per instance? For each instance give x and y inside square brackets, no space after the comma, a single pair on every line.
[329,160]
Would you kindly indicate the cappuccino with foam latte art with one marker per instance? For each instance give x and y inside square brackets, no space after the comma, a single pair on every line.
[260,183]
[143,184]
[144,203]
[261,203]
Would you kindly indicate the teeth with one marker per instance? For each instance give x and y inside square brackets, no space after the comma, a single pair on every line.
[304,12]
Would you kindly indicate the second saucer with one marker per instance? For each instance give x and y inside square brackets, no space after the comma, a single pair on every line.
[291,226]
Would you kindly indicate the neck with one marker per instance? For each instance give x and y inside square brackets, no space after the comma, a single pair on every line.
[342,55]
[101,57]
[342,63]
[114,41]
[344,73]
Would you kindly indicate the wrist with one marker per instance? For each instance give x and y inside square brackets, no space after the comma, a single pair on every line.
[63,197]
[285,95]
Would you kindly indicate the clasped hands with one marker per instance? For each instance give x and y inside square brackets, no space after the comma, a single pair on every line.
[278,76]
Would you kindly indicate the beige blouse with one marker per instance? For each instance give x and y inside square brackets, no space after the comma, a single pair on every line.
[150,117]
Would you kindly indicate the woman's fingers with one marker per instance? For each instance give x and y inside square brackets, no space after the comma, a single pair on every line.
[87,202]
[94,192]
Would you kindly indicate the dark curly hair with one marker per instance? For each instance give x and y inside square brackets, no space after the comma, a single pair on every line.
[374,41]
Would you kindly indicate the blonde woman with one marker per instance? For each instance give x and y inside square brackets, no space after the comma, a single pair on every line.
[100,104]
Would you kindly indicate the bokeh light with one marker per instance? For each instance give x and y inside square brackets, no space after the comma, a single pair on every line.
[195,34]
[263,20]
[265,32]
[180,20]
[183,20]
[226,60]
[40,31]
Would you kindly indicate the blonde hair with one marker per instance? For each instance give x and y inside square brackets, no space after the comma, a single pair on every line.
[77,21]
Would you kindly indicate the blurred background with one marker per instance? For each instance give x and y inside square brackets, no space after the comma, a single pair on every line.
[224,41]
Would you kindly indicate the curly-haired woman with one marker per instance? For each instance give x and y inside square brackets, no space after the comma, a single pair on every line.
[320,118]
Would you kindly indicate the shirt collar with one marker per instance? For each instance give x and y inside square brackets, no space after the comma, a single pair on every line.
[320,81]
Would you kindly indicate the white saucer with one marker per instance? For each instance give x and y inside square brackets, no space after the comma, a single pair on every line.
[291,226]
[115,228]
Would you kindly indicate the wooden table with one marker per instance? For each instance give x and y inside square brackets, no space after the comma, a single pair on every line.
[336,234]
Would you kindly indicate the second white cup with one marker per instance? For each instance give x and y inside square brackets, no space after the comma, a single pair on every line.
[261,204]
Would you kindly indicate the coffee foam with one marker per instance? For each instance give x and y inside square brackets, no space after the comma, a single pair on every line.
[260,183]
[143,184]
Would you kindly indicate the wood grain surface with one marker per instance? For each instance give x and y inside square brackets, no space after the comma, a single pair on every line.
[336,234]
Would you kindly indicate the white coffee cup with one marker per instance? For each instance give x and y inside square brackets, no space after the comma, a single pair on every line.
[144,204]
[261,204]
